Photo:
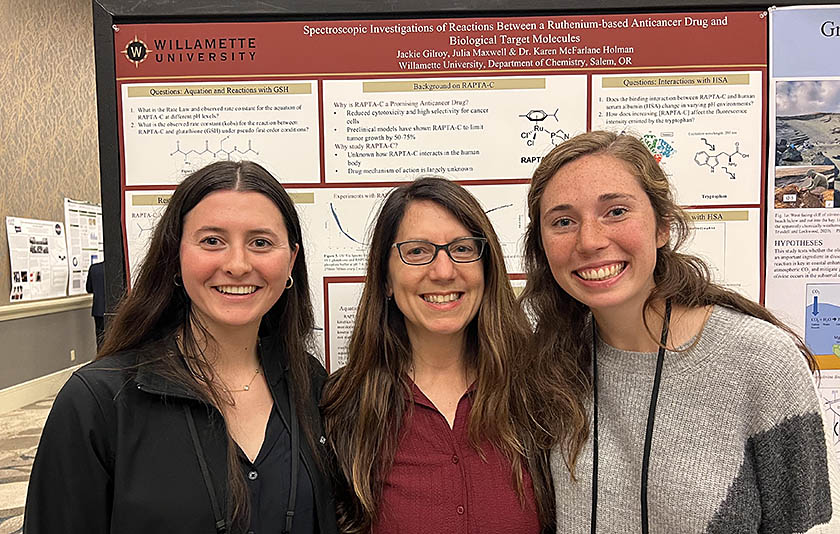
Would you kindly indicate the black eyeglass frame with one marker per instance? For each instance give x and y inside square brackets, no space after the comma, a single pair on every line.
[445,247]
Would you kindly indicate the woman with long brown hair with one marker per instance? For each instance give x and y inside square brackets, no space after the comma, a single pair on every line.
[429,419]
[676,405]
[200,412]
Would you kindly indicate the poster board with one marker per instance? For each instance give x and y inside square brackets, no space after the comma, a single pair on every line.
[803,247]
[85,244]
[477,99]
[38,259]
[803,252]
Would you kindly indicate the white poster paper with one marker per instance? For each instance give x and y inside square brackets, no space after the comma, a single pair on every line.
[38,259]
[85,245]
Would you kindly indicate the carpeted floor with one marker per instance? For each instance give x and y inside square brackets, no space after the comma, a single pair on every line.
[19,434]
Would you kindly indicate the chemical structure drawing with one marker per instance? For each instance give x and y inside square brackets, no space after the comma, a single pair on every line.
[721,159]
[193,156]
[536,116]
[143,229]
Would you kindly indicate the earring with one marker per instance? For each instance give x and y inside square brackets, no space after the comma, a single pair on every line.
[290,282]
[176,279]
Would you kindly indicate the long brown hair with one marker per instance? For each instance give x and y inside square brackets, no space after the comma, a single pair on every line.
[562,359]
[156,308]
[364,402]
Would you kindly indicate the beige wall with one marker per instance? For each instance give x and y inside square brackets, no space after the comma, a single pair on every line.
[48,132]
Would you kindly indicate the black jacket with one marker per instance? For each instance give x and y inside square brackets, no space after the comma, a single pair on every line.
[95,283]
[117,456]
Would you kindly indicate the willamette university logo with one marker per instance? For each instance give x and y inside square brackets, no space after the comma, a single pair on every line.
[136,51]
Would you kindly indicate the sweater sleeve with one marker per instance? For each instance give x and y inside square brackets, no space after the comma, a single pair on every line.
[795,465]
[833,462]
[70,489]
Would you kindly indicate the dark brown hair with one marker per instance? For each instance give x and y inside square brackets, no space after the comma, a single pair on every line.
[562,359]
[156,309]
[364,402]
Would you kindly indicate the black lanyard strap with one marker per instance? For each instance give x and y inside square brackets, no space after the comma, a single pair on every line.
[295,432]
[654,397]
[218,514]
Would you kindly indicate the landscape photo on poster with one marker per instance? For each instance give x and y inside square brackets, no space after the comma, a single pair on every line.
[807,151]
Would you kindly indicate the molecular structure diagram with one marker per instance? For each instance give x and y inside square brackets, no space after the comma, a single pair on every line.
[145,229]
[659,147]
[220,153]
[722,159]
[536,116]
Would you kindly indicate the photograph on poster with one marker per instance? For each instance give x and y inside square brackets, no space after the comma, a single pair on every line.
[807,147]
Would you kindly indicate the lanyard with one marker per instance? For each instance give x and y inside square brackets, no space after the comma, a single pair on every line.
[654,396]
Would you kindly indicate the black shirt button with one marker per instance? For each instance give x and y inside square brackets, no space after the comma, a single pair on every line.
[253,475]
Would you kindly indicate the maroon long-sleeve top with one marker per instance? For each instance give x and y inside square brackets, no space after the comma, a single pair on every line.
[440,484]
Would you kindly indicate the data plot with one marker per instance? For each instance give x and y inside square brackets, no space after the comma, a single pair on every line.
[506,207]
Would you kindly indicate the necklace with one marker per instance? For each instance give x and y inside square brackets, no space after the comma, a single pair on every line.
[245,387]
[654,397]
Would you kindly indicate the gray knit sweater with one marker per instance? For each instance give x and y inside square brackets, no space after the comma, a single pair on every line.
[739,444]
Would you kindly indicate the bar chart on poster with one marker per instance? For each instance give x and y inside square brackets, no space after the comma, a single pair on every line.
[342,111]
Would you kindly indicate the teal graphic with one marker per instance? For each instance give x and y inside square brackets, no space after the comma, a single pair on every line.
[822,318]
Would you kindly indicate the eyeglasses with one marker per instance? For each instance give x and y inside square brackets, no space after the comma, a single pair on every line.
[462,250]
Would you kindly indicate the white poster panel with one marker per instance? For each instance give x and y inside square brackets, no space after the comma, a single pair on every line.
[143,209]
[466,128]
[172,130]
[85,245]
[704,127]
[726,238]
[342,296]
[38,259]
[803,220]
[829,388]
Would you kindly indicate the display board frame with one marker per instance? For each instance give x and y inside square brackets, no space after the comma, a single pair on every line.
[107,14]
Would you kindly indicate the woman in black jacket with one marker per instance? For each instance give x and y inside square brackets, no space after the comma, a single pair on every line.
[200,411]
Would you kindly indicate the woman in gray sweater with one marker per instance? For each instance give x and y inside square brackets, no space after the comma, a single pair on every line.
[673,404]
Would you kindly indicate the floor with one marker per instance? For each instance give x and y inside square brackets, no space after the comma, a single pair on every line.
[20,431]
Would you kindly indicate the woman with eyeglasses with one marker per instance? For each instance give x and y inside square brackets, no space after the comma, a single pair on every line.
[429,419]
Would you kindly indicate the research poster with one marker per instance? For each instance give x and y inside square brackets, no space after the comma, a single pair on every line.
[803,221]
[38,259]
[803,243]
[85,246]
[342,111]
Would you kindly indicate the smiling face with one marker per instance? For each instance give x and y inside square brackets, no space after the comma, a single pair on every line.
[440,298]
[600,235]
[235,258]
